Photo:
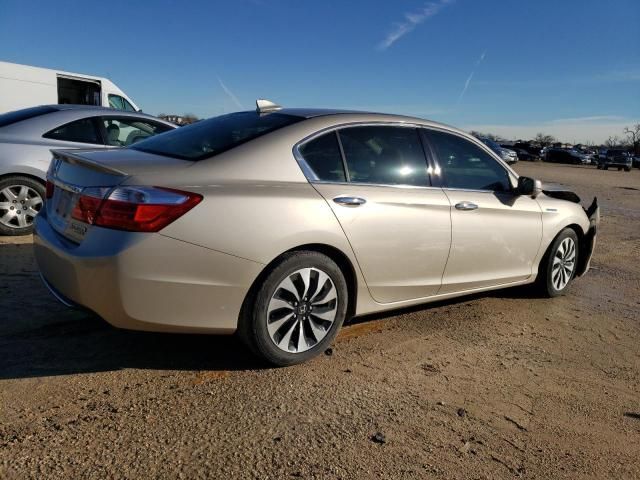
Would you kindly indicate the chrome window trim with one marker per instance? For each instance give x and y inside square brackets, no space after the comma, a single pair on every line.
[313,178]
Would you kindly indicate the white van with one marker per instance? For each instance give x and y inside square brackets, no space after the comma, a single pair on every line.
[24,86]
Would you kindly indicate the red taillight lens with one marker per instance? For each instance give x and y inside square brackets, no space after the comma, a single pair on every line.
[86,209]
[49,189]
[144,209]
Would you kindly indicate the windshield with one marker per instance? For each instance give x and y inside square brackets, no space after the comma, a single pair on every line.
[213,136]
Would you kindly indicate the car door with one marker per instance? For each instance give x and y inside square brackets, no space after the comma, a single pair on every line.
[496,233]
[375,179]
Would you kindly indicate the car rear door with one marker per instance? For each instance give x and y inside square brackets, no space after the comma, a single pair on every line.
[496,234]
[375,179]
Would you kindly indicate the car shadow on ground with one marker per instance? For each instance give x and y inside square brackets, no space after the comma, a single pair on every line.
[84,343]
[39,337]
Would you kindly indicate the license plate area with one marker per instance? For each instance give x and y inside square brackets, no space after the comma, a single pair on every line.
[59,212]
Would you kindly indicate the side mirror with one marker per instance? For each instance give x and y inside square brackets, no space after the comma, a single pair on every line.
[529,186]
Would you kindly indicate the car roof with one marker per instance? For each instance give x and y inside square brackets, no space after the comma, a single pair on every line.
[62,114]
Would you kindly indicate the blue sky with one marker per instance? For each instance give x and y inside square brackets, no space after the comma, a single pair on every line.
[567,67]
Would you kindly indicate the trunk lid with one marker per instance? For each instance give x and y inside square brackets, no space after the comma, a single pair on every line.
[74,173]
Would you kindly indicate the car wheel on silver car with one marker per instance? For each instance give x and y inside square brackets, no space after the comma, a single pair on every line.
[296,310]
[559,265]
[21,198]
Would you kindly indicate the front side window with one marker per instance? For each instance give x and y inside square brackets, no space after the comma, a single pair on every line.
[120,103]
[323,156]
[81,131]
[384,155]
[216,135]
[122,132]
[465,165]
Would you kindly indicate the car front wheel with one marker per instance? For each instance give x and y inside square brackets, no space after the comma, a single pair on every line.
[297,310]
[558,267]
[21,198]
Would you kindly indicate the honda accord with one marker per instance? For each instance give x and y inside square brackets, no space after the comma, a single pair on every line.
[280,224]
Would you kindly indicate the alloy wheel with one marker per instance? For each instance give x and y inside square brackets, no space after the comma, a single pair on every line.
[302,310]
[564,264]
[19,205]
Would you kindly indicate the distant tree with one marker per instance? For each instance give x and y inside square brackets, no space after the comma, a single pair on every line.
[544,140]
[189,118]
[633,136]
[612,142]
[490,136]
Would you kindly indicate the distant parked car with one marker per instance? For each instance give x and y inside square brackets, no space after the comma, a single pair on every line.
[507,155]
[615,158]
[527,147]
[524,155]
[562,155]
[635,161]
[28,135]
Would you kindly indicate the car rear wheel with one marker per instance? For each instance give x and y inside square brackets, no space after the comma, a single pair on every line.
[297,310]
[21,198]
[558,267]
[627,169]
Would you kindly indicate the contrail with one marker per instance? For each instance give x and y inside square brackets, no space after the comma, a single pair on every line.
[468,82]
[412,20]
[230,94]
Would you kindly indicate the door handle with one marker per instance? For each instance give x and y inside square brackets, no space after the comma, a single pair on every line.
[466,206]
[350,201]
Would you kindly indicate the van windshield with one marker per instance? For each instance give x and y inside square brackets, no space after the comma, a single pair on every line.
[10,118]
[216,135]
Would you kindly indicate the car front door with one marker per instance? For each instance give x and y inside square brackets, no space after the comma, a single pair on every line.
[496,233]
[375,178]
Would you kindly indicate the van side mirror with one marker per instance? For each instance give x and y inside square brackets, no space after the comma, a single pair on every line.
[529,186]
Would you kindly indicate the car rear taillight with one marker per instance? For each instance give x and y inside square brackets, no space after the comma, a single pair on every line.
[135,209]
[49,189]
[144,209]
[87,205]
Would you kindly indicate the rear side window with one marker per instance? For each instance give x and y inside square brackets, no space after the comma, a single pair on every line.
[10,118]
[384,155]
[323,156]
[465,165]
[216,135]
[81,131]
[125,131]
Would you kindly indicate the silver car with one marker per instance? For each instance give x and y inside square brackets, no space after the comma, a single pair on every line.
[280,224]
[28,135]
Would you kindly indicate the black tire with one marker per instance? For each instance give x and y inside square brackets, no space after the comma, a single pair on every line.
[599,167]
[619,169]
[11,226]
[606,167]
[545,280]
[252,327]
[627,169]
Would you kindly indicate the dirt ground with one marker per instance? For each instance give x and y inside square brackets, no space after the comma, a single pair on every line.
[498,385]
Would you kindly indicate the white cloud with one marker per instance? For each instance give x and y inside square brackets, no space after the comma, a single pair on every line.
[412,20]
[230,94]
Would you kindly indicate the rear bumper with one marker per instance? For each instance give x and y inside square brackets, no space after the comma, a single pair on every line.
[145,281]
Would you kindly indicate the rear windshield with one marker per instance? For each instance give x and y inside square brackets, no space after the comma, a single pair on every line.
[25,114]
[213,136]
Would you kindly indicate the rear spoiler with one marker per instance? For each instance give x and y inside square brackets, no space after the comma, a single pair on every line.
[70,156]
